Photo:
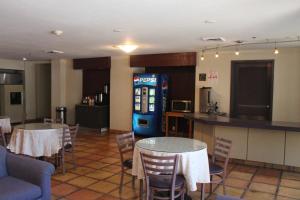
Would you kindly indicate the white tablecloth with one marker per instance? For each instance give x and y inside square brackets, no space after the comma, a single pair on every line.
[35,141]
[193,166]
[5,124]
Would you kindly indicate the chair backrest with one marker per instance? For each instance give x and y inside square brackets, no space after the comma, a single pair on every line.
[160,168]
[3,138]
[125,143]
[222,150]
[69,135]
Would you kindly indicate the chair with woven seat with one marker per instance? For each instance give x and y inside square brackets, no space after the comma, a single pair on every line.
[221,153]
[68,144]
[126,143]
[162,181]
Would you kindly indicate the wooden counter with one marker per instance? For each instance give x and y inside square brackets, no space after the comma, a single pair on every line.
[262,141]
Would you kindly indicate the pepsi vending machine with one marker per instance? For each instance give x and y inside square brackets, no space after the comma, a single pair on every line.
[149,104]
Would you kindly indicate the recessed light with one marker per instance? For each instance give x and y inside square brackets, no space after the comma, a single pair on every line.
[55,52]
[127,48]
[214,39]
[24,59]
[118,30]
[57,32]
[210,21]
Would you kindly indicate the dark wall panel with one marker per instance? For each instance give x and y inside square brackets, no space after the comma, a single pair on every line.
[181,82]
[94,81]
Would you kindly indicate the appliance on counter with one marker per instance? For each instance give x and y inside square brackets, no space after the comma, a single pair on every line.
[149,104]
[12,94]
[205,99]
[181,106]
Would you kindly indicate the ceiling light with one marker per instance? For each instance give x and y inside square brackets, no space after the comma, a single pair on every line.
[55,52]
[237,51]
[202,56]
[217,54]
[24,59]
[127,48]
[210,21]
[57,32]
[276,51]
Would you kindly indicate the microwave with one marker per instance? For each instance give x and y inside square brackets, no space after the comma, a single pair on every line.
[181,106]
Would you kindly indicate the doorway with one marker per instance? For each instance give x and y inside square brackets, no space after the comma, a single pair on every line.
[43,91]
[252,89]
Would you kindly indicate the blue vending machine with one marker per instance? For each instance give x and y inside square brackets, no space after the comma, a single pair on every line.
[149,104]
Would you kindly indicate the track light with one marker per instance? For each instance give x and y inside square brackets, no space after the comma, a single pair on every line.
[237,51]
[217,54]
[202,56]
[276,51]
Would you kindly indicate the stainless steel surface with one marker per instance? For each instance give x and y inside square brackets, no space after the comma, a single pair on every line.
[205,99]
[181,106]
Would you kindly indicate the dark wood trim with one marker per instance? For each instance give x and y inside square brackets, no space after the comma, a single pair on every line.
[232,86]
[92,63]
[164,60]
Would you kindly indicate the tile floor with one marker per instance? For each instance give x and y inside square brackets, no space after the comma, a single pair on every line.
[98,173]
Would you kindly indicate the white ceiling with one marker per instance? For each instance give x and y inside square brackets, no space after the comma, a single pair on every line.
[158,26]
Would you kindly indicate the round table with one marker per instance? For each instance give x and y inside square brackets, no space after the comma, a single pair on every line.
[192,163]
[5,124]
[37,139]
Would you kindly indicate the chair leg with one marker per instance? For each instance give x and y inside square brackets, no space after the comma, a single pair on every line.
[210,185]
[223,184]
[73,159]
[121,181]
[202,196]
[133,181]
[141,189]
[63,163]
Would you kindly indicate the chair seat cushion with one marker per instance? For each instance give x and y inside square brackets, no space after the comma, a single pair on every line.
[16,189]
[165,183]
[215,169]
[128,163]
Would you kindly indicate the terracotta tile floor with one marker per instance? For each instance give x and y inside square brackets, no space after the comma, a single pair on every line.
[98,173]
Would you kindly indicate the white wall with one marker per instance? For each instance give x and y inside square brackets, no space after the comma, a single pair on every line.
[30,92]
[121,93]
[286,92]
[66,87]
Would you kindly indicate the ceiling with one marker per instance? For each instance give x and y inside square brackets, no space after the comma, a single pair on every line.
[157,26]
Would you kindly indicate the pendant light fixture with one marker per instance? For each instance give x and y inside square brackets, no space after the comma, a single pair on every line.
[217,54]
[237,51]
[276,51]
[202,55]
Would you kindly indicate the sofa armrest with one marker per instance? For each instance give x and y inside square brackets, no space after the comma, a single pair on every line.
[30,170]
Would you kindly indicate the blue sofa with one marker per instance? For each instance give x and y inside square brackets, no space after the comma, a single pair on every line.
[23,178]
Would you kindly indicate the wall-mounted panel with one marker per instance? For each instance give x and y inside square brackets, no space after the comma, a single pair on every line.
[164,60]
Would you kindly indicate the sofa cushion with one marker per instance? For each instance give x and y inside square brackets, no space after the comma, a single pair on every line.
[16,189]
[3,171]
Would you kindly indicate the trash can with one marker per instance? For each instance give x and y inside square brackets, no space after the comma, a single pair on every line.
[61,113]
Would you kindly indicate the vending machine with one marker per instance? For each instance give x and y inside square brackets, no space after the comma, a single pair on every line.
[149,104]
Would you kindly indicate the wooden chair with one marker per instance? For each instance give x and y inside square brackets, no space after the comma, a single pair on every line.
[221,153]
[161,179]
[68,144]
[126,143]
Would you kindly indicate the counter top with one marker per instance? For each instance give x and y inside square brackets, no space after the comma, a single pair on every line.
[87,105]
[227,121]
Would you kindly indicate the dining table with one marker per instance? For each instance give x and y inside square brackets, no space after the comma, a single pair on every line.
[192,163]
[5,124]
[37,139]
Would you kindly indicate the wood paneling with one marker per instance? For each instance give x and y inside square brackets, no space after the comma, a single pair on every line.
[94,80]
[181,82]
[164,60]
[92,63]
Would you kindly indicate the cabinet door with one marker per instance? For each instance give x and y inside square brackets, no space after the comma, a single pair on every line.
[292,150]
[238,136]
[266,146]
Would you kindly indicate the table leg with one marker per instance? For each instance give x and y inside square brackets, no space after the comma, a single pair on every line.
[167,125]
